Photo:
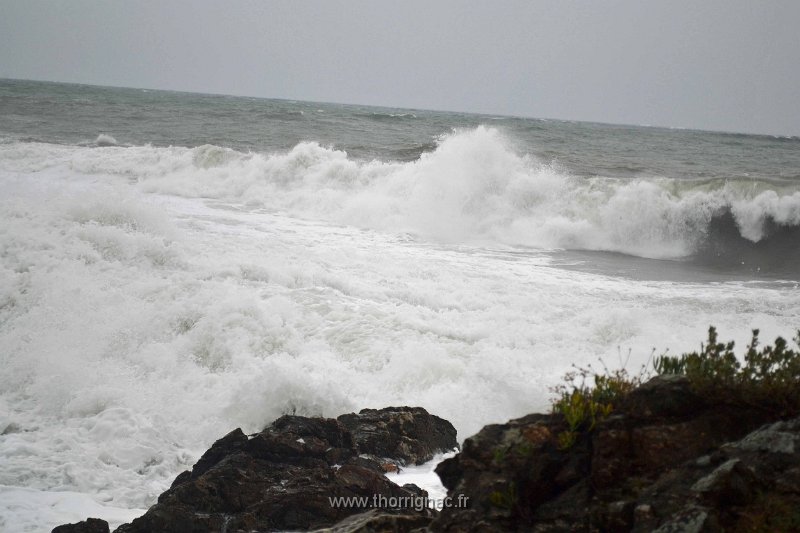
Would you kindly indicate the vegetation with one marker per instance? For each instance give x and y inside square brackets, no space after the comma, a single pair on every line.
[504,499]
[583,401]
[766,378]
[770,513]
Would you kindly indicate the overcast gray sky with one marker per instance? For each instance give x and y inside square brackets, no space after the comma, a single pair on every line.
[730,65]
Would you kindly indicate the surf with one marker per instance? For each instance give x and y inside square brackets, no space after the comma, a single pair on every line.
[474,186]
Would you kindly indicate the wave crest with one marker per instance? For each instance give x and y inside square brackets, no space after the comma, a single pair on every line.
[474,186]
[105,140]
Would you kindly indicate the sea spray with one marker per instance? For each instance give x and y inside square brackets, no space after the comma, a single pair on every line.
[472,188]
[155,295]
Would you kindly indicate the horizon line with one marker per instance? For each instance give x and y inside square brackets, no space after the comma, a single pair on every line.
[428,110]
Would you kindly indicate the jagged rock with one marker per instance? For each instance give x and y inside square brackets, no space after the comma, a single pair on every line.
[90,525]
[665,461]
[286,476]
[227,445]
[381,521]
[661,462]
[669,395]
[753,480]
[409,434]
[628,449]
[503,466]
[690,520]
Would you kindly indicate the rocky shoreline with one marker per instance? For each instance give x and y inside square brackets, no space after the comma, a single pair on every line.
[665,460]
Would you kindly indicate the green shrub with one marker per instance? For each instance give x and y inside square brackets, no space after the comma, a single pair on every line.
[583,405]
[768,379]
[505,499]
[715,365]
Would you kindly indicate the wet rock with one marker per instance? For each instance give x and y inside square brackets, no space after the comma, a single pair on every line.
[90,525]
[666,460]
[663,396]
[617,516]
[778,438]
[227,445]
[231,443]
[379,521]
[510,471]
[300,474]
[691,520]
[409,434]
[731,483]
[373,463]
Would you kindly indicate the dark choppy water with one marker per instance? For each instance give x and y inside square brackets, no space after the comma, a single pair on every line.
[75,114]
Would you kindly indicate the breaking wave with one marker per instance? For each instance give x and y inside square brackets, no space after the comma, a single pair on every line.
[105,140]
[474,186]
[137,328]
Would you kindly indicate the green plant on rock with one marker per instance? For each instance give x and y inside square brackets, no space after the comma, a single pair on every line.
[567,439]
[715,365]
[583,405]
[770,513]
[573,407]
[499,455]
[524,450]
[504,499]
[768,379]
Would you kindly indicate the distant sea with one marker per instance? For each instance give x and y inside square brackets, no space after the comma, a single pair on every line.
[176,265]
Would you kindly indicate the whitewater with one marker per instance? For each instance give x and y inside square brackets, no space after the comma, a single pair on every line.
[154,296]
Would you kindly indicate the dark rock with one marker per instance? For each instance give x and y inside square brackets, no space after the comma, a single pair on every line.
[507,471]
[90,525]
[662,397]
[227,445]
[324,429]
[616,516]
[624,449]
[183,477]
[731,483]
[379,521]
[286,476]
[450,472]
[754,478]
[666,460]
[415,490]
[408,434]
[690,520]
[370,461]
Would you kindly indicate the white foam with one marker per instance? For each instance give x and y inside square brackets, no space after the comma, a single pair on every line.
[425,477]
[36,511]
[752,215]
[105,140]
[137,328]
[474,187]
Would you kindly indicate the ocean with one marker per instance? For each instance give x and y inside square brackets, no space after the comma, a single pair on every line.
[176,265]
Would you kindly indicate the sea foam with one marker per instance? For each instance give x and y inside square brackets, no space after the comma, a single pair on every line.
[152,299]
[105,140]
[473,187]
